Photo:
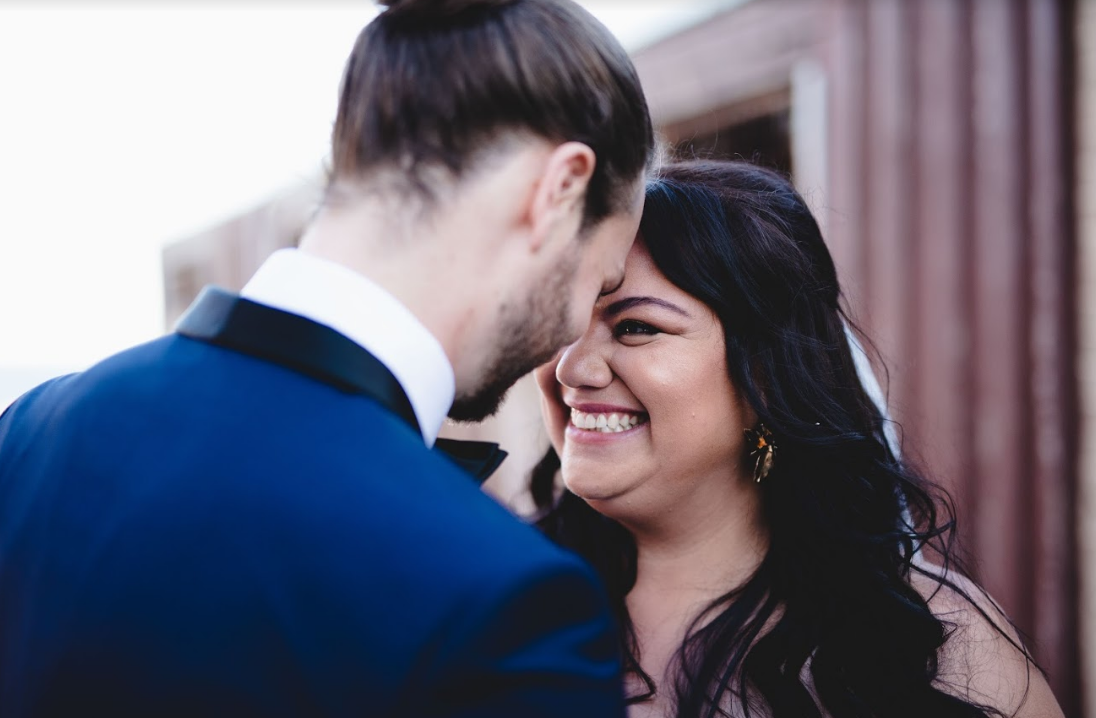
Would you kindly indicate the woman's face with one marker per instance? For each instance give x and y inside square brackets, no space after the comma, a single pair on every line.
[641,409]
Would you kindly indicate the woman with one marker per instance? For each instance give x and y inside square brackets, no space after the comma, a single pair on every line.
[731,480]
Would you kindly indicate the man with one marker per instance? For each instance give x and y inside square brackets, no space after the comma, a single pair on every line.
[246,516]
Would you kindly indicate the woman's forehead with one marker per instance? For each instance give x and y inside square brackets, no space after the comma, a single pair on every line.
[642,277]
[641,274]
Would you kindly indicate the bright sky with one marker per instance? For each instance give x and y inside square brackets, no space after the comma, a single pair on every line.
[125,126]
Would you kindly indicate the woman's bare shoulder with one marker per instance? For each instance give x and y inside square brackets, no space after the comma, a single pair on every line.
[983,660]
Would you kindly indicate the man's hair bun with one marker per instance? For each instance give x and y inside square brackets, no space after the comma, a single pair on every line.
[427,10]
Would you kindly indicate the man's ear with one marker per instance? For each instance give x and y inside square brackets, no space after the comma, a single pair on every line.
[561,189]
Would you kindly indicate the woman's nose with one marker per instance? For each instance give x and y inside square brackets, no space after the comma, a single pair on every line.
[585,364]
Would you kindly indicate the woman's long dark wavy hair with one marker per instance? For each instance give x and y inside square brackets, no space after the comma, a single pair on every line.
[846,517]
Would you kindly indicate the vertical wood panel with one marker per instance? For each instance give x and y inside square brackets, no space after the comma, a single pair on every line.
[848,165]
[1000,462]
[1051,346]
[891,162]
[942,226]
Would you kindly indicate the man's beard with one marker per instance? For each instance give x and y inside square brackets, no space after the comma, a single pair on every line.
[528,337]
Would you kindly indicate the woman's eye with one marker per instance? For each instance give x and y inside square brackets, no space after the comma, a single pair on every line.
[632,328]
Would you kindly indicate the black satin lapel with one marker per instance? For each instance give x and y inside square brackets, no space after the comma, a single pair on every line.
[227,320]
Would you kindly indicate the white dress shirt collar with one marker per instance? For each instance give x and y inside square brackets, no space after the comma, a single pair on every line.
[354,306]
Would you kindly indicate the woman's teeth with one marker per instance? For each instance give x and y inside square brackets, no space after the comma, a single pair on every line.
[605,423]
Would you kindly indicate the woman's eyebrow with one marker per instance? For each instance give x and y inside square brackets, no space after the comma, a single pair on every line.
[623,305]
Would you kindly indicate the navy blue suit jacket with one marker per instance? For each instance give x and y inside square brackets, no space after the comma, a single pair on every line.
[208,525]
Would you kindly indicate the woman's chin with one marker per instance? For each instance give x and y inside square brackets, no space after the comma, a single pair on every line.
[596,490]
[592,494]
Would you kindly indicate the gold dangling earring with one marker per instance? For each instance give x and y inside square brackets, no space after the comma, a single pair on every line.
[762,449]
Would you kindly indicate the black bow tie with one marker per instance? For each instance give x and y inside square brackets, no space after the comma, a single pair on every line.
[230,321]
[478,458]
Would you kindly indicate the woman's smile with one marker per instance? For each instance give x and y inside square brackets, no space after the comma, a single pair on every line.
[605,423]
[598,422]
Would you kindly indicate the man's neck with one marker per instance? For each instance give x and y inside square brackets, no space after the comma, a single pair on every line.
[332,295]
[418,266]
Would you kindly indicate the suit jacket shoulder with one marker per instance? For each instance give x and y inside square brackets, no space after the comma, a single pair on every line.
[187,529]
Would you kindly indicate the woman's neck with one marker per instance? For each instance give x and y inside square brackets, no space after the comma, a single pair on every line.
[703,548]
[686,559]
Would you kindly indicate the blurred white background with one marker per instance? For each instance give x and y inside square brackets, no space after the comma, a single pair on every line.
[125,126]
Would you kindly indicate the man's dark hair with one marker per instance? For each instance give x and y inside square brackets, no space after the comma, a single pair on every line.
[432,84]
